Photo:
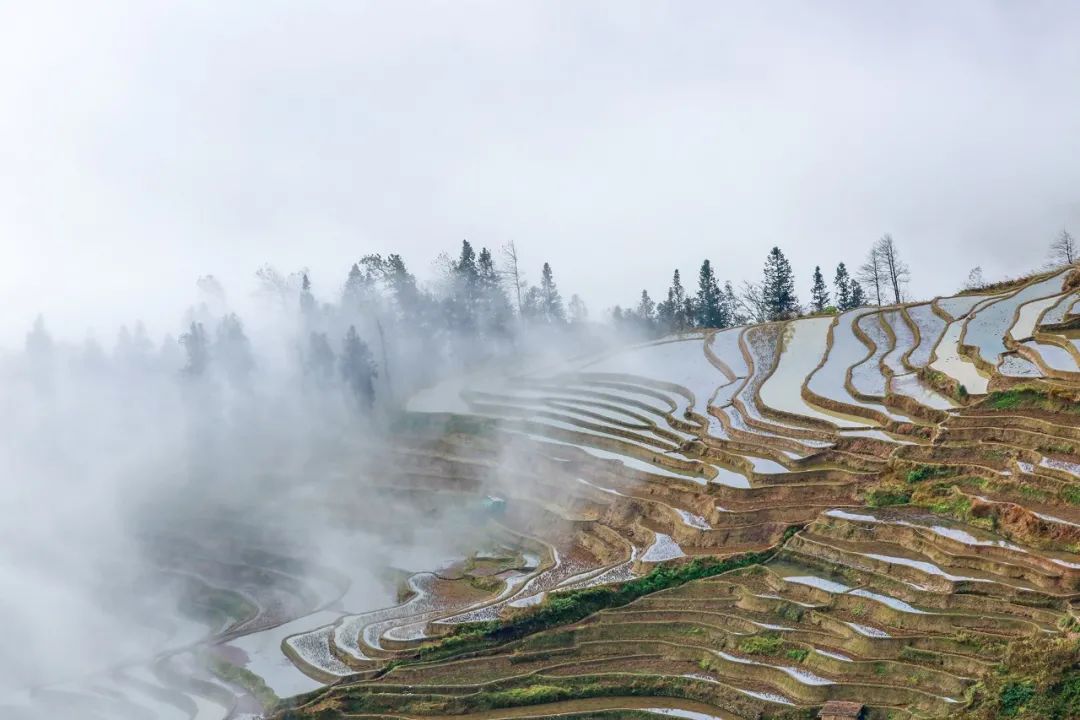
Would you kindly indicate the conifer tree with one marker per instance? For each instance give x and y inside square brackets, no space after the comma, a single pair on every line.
[39,342]
[819,294]
[778,287]
[532,307]
[464,300]
[578,312]
[359,287]
[319,360]
[358,369]
[646,313]
[496,313]
[551,300]
[672,312]
[197,350]
[307,300]
[403,289]
[858,297]
[711,312]
[842,284]
[232,349]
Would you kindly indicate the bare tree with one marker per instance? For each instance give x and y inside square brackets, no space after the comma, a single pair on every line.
[513,272]
[751,302]
[872,272]
[975,278]
[896,270]
[1063,250]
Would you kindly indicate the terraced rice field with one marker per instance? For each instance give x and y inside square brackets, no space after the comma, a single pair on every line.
[740,524]
[760,448]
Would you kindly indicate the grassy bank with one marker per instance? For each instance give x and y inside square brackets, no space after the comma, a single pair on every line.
[564,608]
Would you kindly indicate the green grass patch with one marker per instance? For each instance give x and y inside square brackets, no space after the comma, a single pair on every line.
[884,497]
[797,654]
[926,472]
[1071,494]
[761,645]
[1030,398]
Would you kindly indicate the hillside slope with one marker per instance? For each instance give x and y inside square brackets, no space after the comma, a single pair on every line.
[896,492]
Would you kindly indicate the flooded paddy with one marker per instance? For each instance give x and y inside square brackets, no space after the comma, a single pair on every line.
[952,363]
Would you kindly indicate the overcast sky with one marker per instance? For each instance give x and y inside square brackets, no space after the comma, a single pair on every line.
[144,144]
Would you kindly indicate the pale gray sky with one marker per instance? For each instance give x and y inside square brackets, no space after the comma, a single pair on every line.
[145,144]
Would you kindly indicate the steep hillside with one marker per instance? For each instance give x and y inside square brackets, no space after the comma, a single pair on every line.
[750,522]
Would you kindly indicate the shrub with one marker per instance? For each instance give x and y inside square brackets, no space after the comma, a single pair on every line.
[1037,678]
[923,472]
[797,654]
[761,645]
[791,611]
[884,497]
[1014,696]
[1071,494]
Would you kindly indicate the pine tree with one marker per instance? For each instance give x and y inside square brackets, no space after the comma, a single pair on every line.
[818,292]
[532,308]
[319,361]
[232,349]
[551,300]
[778,287]
[39,342]
[672,312]
[307,300]
[358,369]
[466,264]
[197,349]
[403,289]
[495,311]
[579,313]
[358,288]
[647,309]
[464,300]
[842,284]
[858,297]
[732,307]
[711,312]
